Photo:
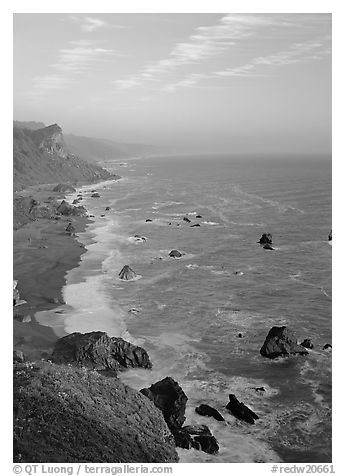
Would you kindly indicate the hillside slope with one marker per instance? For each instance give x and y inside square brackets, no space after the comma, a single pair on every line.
[63,414]
[41,156]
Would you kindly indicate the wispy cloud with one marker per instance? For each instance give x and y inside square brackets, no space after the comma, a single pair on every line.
[90,24]
[296,53]
[70,63]
[205,42]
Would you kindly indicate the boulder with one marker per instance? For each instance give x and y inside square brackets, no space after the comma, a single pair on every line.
[206,443]
[66,209]
[107,209]
[70,229]
[330,236]
[266,238]
[169,397]
[127,273]
[96,350]
[195,224]
[307,343]
[327,346]
[16,295]
[240,410]
[175,254]
[148,220]
[63,187]
[95,195]
[267,246]
[281,341]
[186,219]
[198,216]
[183,439]
[206,410]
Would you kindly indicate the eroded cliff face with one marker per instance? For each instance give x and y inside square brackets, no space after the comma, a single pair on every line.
[50,140]
[41,156]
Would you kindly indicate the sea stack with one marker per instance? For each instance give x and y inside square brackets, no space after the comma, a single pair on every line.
[127,273]
[266,238]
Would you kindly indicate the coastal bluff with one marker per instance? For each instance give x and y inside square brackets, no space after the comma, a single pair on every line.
[73,415]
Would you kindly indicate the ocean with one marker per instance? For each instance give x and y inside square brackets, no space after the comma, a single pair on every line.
[188,312]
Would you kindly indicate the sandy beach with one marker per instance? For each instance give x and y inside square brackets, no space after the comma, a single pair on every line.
[43,253]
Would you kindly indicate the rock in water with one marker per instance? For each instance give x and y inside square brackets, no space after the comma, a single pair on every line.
[307,343]
[95,195]
[16,295]
[206,410]
[327,346]
[127,273]
[66,209]
[208,444]
[63,187]
[98,351]
[240,410]
[186,219]
[175,254]
[330,236]
[267,247]
[70,229]
[169,397]
[266,238]
[281,341]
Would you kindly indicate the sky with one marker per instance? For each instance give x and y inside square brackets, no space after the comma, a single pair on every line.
[241,83]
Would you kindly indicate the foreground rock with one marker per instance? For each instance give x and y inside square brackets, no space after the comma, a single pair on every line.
[266,238]
[175,254]
[127,273]
[66,209]
[63,187]
[70,415]
[206,410]
[98,351]
[169,397]
[281,342]
[240,410]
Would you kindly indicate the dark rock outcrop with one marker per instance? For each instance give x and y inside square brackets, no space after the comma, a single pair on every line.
[127,273]
[107,209]
[307,343]
[18,356]
[330,236]
[175,254]
[195,224]
[98,351]
[240,410]
[95,195]
[70,229]
[281,341]
[16,295]
[72,415]
[148,220]
[63,187]
[186,219]
[198,216]
[169,397]
[66,209]
[267,246]
[327,346]
[206,410]
[266,238]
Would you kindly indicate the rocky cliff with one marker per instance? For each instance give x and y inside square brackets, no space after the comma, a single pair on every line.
[64,414]
[41,156]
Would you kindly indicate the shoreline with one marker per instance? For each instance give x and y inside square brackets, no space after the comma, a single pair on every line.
[43,253]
